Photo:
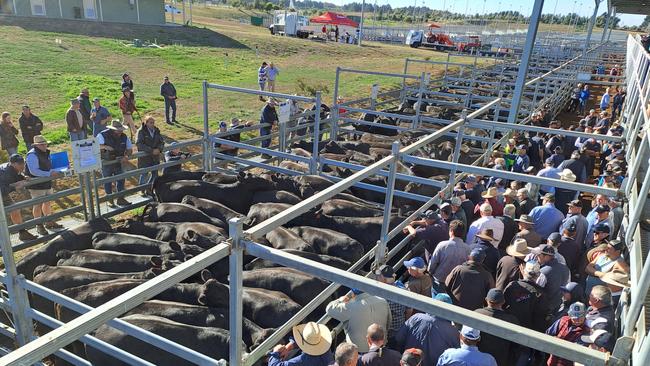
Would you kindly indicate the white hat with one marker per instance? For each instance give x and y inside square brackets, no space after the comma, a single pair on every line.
[567,175]
[312,338]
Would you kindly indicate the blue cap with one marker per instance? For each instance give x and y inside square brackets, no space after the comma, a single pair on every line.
[222,124]
[16,158]
[577,310]
[549,161]
[569,287]
[415,262]
[477,254]
[356,291]
[555,238]
[496,296]
[470,333]
[601,228]
[443,297]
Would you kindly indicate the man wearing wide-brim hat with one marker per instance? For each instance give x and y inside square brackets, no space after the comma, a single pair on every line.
[490,196]
[563,195]
[527,231]
[116,147]
[39,165]
[508,266]
[616,281]
[313,339]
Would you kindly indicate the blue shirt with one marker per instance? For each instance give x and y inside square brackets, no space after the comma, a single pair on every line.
[521,163]
[584,95]
[325,359]
[549,172]
[547,219]
[465,356]
[101,114]
[431,334]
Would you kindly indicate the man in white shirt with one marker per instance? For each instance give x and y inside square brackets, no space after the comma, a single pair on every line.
[486,221]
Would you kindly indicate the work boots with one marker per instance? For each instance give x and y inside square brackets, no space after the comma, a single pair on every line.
[42,230]
[25,235]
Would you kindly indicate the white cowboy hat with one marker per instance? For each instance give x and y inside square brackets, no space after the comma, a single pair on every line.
[490,193]
[312,338]
[567,175]
[616,278]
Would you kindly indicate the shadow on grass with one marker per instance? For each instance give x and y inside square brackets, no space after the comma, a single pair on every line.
[162,35]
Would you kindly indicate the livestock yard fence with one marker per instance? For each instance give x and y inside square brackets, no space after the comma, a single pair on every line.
[493,99]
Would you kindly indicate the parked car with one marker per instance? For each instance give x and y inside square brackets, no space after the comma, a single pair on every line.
[172,9]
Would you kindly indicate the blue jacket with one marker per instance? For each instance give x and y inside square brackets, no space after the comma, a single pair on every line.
[547,219]
[325,359]
[431,334]
[584,95]
[466,356]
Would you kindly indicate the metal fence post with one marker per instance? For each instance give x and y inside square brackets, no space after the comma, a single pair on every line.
[459,141]
[313,169]
[282,137]
[380,254]
[334,124]
[207,156]
[90,194]
[235,228]
[96,190]
[19,301]
[82,197]
[416,120]
[497,111]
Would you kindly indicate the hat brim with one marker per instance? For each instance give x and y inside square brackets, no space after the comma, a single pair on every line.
[115,128]
[41,143]
[486,237]
[313,349]
[487,196]
[525,222]
[613,282]
[510,250]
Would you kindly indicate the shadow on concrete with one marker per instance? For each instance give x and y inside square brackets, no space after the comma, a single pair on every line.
[162,35]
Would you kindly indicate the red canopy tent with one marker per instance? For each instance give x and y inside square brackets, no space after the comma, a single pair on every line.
[433,25]
[334,19]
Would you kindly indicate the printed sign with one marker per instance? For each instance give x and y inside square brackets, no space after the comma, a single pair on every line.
[86,155]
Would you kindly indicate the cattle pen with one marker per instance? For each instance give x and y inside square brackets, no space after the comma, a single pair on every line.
[494,99]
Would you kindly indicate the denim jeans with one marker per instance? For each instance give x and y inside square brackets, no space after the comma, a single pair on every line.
[582,106]
[109,171]
[264,131]
[98,128]
[75,136]
[170,103]
[152,175]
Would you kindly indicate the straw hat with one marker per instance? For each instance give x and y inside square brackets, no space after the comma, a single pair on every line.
[510,193]
[616,278]
[39,139]
[490,193]
[567,175]
[518,249]
[312,338]
[525,219]
[116,125]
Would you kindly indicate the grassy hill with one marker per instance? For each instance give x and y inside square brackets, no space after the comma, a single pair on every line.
[45,74]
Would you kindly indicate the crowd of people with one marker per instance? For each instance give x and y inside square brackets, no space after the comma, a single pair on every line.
[86,117]
[534,255]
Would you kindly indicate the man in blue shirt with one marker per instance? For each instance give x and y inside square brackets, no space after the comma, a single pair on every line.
[314,340]
[99,116]
[584,97]
[468,353]
[549,171]
[522,161]
[601,218]
[547,218]
[432,334]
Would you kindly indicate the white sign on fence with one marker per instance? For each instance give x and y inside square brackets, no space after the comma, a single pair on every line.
[285,112]
[86,155]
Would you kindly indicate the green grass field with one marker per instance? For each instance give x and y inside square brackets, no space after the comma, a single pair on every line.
[46,75]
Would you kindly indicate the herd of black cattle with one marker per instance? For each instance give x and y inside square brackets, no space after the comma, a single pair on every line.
[94,262]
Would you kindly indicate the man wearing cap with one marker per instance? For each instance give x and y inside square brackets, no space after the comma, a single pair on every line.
[575,218]
[168,92]
[85,107]
[432,230]
[378,354]
[501,349]
[508,266]
[100,116]
[468,353]
[358,310]
[457,212]
[486,221]
[174,154]
[419,280]
[554,240]
[466,204]
[429,333]
[75,121]
[550,172]
[127,106]
[483,242]
[571,292]
[510,198]
[601,314]
[12,179]
[556,273]
[411,357]
[570,328]
[601,218]
[527,231]
[472,192]
[30,126]
[599,340]
[547,217]
[608,261]
[449,253]
[570,249]
[313,339]
[115,150]
[576,166]
[127,82]
[469,282]
[525,298]
[522,161]
[149,141]
[38,165]
[385,274]
[269,116]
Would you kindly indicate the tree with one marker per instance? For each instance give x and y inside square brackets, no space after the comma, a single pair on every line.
[646,22]
[268,6]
